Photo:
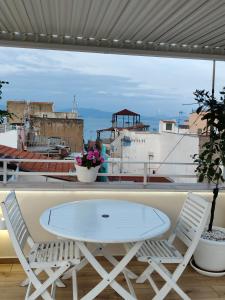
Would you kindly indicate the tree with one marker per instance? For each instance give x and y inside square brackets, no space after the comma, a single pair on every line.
[212,158]
[3,113]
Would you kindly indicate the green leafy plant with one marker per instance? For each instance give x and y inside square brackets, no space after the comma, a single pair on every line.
[212,157]
[3,113]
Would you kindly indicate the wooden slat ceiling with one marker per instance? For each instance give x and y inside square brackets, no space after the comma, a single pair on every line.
[172,28]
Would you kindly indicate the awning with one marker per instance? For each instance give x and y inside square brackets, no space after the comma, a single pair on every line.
[171,28]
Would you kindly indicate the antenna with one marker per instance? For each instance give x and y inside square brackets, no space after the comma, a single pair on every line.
[75,106]
[179,119]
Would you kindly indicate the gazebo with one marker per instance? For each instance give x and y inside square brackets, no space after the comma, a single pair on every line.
[124,119]
[128,117]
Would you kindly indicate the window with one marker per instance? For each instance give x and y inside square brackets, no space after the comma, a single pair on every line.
[168,126]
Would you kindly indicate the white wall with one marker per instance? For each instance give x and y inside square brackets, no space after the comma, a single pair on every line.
[159,147]
[9,138]
[33,204]
[178,148]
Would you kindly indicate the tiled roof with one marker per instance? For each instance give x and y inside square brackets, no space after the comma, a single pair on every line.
[168,121]
[134,178]
[9,152]
[126,112]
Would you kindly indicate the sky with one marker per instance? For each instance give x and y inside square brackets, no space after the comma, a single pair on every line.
[148,85]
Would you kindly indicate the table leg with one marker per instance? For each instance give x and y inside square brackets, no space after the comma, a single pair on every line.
[106,253]
[109,278]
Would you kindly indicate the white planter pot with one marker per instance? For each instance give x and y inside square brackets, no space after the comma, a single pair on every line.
[86,175]
[210,255]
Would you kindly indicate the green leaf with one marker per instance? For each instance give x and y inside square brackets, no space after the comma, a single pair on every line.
[201,177]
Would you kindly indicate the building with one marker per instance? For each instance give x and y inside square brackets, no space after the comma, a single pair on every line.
[21,110]
[9,136]
[183,29]
[62,125]
[42,124]
[124,119]
[171,126]
[166,147]
[195,123]
[13,153]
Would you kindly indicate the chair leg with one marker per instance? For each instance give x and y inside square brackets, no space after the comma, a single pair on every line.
[58,282]
[144,276]
[170,279]
[49,272]
[41,288]
[163,292]
[80,265]
[26,281]
[28,290]
[114,262]
[53,290]
[74,284]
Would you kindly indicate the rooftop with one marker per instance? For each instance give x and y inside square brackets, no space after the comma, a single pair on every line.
[126,112]
[8,152]
[168,121]
[64,167]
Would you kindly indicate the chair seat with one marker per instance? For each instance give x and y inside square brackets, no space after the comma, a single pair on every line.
[52,254]
[160,250]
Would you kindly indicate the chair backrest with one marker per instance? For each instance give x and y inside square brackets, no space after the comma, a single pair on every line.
[18,231]
[192,220]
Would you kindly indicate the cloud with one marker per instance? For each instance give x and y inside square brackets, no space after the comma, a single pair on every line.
[102,92]
[110,80]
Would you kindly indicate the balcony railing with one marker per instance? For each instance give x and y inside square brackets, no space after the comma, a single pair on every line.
[143,169]
[4,128]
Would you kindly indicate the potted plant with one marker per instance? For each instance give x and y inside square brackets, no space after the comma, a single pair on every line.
[88,165]
[210,253]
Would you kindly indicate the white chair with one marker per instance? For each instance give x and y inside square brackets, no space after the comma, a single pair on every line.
[189,227]
[53,258]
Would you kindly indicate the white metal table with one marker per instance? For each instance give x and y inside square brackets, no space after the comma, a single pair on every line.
[106,222]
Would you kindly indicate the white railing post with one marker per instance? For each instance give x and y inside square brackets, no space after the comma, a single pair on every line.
[145,173]
[121,169]
[4,172]
[223,173]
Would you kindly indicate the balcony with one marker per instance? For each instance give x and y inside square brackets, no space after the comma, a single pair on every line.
[34,200]
[36,195]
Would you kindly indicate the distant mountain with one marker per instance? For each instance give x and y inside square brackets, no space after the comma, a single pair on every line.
[94,113]
[91,113]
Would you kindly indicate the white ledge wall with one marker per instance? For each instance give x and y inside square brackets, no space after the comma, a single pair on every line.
[33,203]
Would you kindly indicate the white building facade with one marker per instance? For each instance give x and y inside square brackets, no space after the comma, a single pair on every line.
[165,147]
[8,136]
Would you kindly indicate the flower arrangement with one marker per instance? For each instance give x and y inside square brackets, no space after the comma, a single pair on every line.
[90,159]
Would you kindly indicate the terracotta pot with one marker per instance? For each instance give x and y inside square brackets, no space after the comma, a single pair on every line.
[86,175]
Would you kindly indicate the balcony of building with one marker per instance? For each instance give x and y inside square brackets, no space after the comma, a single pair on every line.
[33,200]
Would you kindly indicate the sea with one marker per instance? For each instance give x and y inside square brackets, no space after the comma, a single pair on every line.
[92,124]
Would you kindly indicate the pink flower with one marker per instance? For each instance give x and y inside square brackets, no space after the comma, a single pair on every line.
[94,161]
[90,155]
[79,160]
[96,153]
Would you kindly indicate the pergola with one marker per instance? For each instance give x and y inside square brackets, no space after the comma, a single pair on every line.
[171,28]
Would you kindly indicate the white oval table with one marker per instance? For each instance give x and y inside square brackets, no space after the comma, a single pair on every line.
[105,222]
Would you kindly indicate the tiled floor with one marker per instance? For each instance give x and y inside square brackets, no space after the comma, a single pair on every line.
[198,287]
